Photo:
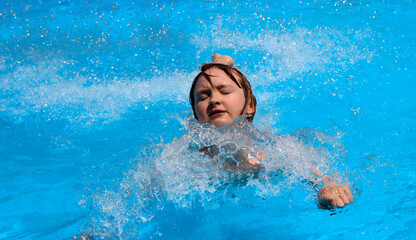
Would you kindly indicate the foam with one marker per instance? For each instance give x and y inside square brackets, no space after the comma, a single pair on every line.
[290,52]
[179,174]
[42,90]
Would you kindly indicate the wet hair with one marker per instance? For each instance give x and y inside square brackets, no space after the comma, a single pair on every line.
[230,71]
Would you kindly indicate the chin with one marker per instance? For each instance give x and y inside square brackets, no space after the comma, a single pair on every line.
[220,122]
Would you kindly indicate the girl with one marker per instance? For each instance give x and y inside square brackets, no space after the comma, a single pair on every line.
[221,93]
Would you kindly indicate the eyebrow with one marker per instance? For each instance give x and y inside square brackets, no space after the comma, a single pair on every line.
[221,86]
[203,90]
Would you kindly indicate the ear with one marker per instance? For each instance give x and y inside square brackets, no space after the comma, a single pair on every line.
[250,108]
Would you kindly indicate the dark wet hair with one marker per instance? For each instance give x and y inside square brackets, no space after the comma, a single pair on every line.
[230,71]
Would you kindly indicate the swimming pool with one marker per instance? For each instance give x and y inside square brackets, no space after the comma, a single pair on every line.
[93,94]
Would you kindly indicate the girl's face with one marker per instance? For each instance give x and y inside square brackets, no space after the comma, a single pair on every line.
[218,103]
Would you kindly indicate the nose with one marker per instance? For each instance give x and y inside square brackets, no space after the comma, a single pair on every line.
[215,98]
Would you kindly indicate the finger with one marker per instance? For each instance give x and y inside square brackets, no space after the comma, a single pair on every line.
[333,202]
[339,202]
[254,161]
[349,195]
[343,197]
[229,61]
[215,57]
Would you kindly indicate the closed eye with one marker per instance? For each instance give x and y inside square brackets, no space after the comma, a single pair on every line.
[202,95]
[226,90]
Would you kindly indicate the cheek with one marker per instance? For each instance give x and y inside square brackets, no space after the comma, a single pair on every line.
[199,111]
[239,104]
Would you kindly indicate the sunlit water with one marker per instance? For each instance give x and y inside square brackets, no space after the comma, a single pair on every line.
[97,136]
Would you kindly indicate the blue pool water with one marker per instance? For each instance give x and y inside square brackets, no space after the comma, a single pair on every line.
[93,94]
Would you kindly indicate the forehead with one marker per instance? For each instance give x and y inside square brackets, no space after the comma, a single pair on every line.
[217,77]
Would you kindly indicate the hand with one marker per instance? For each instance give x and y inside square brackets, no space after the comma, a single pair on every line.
[245,162]
[251,164]
[223,59]
[335,195]
[242,161]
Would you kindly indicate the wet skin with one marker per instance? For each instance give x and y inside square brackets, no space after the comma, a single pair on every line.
[335,195]
[221,102]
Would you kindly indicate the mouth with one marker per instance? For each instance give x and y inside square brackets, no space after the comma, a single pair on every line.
[215,113]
